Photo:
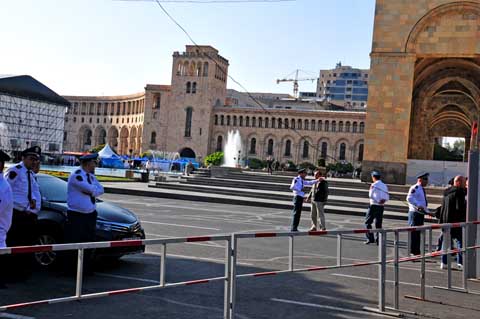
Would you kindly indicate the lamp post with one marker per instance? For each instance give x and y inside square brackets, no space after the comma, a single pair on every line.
[238,159]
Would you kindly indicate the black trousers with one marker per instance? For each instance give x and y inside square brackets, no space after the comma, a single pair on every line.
[22,232]
[296,212]
[374,212]
[415,219]
[80,228]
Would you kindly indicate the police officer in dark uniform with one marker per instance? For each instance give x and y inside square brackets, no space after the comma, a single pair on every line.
[417,208]
[26,205]
[83,188]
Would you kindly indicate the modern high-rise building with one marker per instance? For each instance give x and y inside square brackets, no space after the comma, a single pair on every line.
[344,85]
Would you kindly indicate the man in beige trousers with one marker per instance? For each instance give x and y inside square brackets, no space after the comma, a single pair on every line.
[318,196]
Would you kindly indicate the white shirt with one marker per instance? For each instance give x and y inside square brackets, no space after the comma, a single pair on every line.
[6,210]
[17,177]
[297,185]
[416,198]
[82,190]
[378,192]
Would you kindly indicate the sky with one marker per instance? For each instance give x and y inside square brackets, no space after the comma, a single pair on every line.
[107,47]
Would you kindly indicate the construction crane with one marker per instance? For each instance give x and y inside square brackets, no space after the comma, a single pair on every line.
[295,81]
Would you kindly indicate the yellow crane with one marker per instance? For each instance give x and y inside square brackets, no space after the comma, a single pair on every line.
[295,81]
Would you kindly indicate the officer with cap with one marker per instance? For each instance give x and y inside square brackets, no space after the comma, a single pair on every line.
[298,196]
[417,208]
[26,205]
[378,195]
[83,188]
[6,210]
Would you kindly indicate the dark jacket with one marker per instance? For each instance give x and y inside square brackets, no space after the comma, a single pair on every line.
[321,192]
[454,206]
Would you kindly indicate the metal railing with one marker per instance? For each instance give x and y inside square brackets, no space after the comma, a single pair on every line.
[231,254]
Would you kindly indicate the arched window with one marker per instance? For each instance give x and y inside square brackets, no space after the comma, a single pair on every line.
[205,69]
[188,122]
[118,108]
[319,127]
[247,121]
[286,123]
[194,87]
[343,149]
[312,125]
[234,120]
[288,148]
[362,127]
[292,123]
[340,126]
[334,126]
[253,146]
[260,122]
[153,138]
[216,119]
[241,121]
[354,128]
[347,127]
[254,122]
[270,147]
[189,87]
[324,150]
[273,122]
[75,108]
[279,123]
[360,152]
[199,69]
[91,110]
[305,149]
[222,118]
[228,120]
[327,126]
[266,122]
[219,143]
[305,125]
[299,124]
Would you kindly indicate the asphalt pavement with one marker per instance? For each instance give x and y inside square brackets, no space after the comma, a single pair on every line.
[339,293]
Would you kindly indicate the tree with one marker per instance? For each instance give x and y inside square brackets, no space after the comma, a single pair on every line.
[214,159]
[96,149]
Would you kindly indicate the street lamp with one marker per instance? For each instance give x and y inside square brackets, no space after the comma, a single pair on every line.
[238,159]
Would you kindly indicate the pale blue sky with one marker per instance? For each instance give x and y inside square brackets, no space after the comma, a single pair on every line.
[104,47]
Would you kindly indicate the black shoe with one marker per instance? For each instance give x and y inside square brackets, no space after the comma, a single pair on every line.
[294,230]
[368,242]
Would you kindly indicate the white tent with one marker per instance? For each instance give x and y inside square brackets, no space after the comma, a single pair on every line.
[107,152]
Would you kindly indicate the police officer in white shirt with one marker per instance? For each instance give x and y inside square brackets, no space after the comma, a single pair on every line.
[298,196]
[378,195]
[83,188]
[417,208]
[6,210]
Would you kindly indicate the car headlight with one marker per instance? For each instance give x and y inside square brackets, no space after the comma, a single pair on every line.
[104,226]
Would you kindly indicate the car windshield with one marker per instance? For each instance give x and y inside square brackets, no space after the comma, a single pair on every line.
[52,188]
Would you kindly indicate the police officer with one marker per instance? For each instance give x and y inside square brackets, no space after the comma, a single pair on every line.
[298,196]
[6,210]
[26,205]
[83,188]
[417,208]
[378,195]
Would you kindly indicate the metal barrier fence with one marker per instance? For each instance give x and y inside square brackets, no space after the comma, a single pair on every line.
[230,263]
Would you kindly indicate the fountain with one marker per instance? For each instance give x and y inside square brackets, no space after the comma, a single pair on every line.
[233,151]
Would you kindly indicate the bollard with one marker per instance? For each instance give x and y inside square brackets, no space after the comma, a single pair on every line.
[163,264]
[78,288]
[396,298]
[228,280]
[290,252]
[233,273]
[339,250]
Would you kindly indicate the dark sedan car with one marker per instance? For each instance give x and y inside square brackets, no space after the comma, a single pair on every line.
[113,222]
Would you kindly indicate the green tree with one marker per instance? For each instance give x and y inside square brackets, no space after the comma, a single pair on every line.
[96,149]
[214,159]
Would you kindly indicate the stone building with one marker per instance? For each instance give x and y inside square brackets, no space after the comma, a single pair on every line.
[193,115]
[424,80]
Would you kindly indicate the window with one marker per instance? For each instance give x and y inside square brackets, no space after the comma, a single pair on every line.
[299,124]
[327,126]
[286,123]
[288,148]
[157,101]
[219,143]
[253,146]
[228,120]
[194,87]
[324,150]
[266,122]
[222,120]
[360,152]
[247,121]
[118,108]
[354,130]
[64,137]
[279,123]
[234,120]
[347,127]
[254,122]
[312,126]
[205,69]
[292,123]
[334,126]
[91,110]
[270,147]
[305,149]
[305,124]
[189,87]
[260,124]
[99,108]
[188,122]
[75,108]
[343,149]
[241,121]
[340,126]
[153,138]
[216,119]
[319,127]
[105,109]
[362,127]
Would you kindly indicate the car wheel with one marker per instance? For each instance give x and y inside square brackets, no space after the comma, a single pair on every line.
[46,259]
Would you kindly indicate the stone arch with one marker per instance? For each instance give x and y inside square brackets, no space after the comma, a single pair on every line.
[139,138]
[357,151]
[112,136]
[85,140]
[124,136]
[187,152]
[100,135]
[432,21]
[338,149]
[133,141]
